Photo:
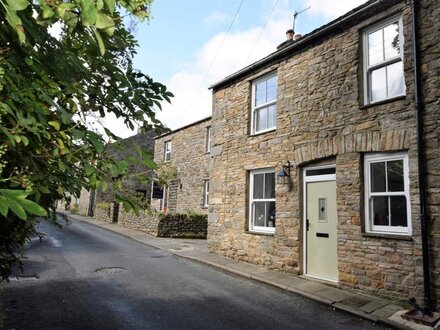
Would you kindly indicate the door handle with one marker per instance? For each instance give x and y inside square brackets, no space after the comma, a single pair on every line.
[307,224]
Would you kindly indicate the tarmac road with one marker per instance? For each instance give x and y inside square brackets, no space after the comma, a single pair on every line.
[84,277]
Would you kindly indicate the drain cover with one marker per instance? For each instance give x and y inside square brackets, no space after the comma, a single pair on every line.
[110,270]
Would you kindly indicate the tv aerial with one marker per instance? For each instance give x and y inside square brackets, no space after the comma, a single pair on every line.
[295,14]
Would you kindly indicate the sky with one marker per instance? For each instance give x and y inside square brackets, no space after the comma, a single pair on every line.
[188,45]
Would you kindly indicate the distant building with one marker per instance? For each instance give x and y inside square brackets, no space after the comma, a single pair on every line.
[188,151]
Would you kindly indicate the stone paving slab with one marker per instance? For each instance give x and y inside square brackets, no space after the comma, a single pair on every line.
[373,306]
[374,309]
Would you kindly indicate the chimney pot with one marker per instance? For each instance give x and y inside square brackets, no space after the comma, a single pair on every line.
[297,36]
[289,34]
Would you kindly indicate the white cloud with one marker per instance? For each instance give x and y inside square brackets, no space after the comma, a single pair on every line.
[215,18]
[193,100]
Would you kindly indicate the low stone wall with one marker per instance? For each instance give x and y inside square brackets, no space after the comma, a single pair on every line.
[183,225]
[103,212]
[144,222]
[169,225]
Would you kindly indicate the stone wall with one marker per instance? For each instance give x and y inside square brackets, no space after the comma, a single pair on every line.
[170,225]
[189,156]
[104,212]
[183,226]
[321,117]
[146,222]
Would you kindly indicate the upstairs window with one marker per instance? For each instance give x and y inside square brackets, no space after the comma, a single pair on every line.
[262,201]
[264,97]
[383,61]
[167,151]
[387,203]
[208,139]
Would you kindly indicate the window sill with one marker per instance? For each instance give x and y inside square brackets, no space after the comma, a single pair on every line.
[401,237]
[258,233]
[369,105]
[263,132]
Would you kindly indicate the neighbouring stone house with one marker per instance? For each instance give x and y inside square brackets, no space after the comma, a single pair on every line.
[187,151]
[315,153]
[102,204]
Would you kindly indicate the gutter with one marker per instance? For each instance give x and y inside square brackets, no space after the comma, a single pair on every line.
[419,107]
[304,41]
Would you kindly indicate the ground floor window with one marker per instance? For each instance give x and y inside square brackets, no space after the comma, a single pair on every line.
[387,203]
[262,201]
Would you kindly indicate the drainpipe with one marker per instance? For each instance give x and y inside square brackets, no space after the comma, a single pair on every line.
[421,160]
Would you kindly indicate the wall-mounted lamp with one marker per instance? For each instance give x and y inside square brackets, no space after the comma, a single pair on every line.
[283,176]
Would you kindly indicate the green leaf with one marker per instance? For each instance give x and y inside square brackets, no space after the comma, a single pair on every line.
[99,4]
[122,165]
[89,169]
[15,22]
[88,12]
[55,125]
[16,208]
[66,117]
[3,206]
[100,42]
[25,140]
[17,4]
[44,190]
[13,193]
[105,23]
[96,142]
[17,138]
[64,8]
[111,4]
[33,208]
[47,11]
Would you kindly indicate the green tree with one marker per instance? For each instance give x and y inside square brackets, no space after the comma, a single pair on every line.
[50,88]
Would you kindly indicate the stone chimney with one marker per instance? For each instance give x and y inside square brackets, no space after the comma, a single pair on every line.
[291,37]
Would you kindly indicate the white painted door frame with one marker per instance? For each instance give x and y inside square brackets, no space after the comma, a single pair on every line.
[306,180]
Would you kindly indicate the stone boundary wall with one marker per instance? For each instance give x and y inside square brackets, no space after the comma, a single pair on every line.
[104,213]
[144,222]
[169,225]
[182,225]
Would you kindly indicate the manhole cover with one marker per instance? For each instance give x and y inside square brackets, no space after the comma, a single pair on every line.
[110,270]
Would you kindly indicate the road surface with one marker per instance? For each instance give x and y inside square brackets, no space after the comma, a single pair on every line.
[84,277]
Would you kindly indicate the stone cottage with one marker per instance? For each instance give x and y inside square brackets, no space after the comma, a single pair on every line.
[132,185]
[186,151]
[325,154]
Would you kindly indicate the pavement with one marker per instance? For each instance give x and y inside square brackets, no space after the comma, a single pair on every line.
[375,309]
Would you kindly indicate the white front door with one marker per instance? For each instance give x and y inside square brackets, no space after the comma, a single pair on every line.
[321,258]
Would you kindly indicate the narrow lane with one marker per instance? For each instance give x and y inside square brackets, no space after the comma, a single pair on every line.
[90,278]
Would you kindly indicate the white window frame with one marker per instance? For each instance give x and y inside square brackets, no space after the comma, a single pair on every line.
[378,158]
[206,194]
[252,228]
[208,139]
[368,69]
[264,105]
[166,151]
